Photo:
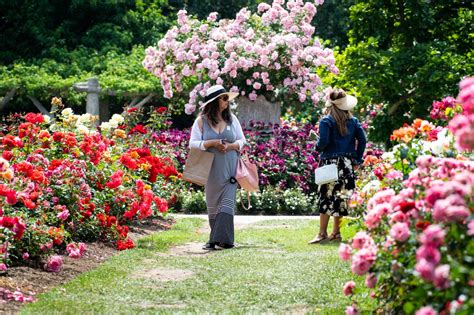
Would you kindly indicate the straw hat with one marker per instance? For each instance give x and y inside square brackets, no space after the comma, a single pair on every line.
[348,102]
[214,92]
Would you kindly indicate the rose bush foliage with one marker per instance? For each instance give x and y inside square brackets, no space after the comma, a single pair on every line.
[416,206]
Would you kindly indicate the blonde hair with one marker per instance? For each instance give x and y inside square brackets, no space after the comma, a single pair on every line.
[339,115]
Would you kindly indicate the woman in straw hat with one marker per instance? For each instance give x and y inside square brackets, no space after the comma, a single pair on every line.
[342,142]
[217,130]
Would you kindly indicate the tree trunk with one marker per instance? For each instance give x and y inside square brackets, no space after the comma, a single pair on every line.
[40,106]
[7,98]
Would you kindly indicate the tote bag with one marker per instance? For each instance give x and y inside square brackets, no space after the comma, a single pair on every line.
[197,167]
[326,174]
[247,175]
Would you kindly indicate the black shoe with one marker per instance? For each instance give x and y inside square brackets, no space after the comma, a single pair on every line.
[223,246]
[209,246]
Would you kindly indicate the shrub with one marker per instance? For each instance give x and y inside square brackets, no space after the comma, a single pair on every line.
[194,202]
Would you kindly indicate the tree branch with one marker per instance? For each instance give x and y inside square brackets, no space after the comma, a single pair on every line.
[145,100]
[40,106]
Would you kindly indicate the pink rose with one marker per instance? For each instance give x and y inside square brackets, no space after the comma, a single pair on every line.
[362,261]
[349,288]
[361,240]
[352,310]
[344,252]
[370,280]
[441,277]
[398,217]
[54,264]
[25,256]
[433,235]
[425,269]
[457,213]
[400,231]
[3,267]
[429,253]
[426,310]
[470,227]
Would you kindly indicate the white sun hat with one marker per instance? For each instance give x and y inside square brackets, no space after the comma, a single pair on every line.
[347,102]
[214,92]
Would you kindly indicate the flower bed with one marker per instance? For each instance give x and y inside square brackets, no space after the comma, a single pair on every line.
[64,181]
[415,246]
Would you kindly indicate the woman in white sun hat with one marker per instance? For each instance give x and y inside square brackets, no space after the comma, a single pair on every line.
[217,130]
[342,142]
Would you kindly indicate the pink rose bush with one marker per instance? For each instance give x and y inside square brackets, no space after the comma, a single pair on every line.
[269,52]
[415,246]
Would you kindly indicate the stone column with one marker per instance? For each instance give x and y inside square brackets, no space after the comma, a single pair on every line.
[93,89]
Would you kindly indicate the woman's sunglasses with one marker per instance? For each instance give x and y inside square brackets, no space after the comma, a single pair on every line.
[225,97]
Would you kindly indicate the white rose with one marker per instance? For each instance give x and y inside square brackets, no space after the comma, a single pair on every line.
[66,112]
[118,118]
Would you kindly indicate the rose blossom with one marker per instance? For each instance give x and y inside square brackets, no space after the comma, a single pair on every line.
[430,253]
[362,261]
[352,310]
[441,277]
[344,252]
[400,231]
[433,235]
[470,227]
[425,269]
[361,240]
[349,288]
[54,264]
[3,267]
[426,310]
[370,280]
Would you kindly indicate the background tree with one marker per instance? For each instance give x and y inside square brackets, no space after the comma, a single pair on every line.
[406,54]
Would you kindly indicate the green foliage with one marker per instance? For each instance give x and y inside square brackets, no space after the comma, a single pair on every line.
[194,202]
[49,46]
[405,54]
[294,201]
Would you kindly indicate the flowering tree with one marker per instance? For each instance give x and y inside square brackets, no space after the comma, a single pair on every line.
[416,248]
[270,52]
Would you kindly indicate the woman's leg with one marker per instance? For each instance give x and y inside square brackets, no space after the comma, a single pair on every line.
[323,224]
[336,229]
[323,229]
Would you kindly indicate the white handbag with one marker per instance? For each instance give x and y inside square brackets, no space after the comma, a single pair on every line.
[326,174]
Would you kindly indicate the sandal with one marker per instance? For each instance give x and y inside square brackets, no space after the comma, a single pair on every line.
[335,237]
[318,239]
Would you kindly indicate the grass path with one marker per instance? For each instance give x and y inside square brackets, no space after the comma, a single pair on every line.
[272,271]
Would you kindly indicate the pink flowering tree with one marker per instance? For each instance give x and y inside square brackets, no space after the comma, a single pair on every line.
[416,248]
[271,52]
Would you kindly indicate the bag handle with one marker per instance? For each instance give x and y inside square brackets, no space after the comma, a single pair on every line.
[249,206]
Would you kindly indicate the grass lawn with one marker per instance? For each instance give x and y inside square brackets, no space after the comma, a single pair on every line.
[272,270]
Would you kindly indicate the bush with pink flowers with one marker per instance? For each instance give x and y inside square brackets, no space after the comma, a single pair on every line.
[415,247]
[271,52]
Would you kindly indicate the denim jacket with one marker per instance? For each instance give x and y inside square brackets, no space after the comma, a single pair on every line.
[332,144]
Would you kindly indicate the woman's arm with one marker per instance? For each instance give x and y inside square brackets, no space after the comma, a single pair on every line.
[324,134]
[361,142]
[196,138]
[239,135]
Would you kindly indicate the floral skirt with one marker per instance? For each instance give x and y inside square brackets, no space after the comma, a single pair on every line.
[333,197]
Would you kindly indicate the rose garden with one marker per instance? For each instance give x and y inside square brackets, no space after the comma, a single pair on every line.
[104,188]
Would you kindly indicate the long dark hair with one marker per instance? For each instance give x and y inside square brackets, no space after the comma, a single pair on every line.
[212,108]
[339,115]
